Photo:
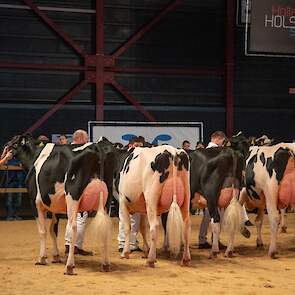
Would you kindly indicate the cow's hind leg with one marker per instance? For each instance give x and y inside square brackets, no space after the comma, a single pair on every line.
[283,220]
[186,258]
[274,218]
[41,223]
[215,222]
[127,227]
[258,222]
[165,246]
[143,231]
[53,231]
[151,209]
[72,209]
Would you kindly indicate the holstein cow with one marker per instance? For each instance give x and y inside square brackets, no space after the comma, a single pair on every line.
[270,183]
[216,179]
[66,179]
[152,181]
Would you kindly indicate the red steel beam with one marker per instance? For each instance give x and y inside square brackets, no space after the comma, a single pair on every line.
[146,28]
[170,71]
[76,89]
[229,66]
[30,66]
[131,99]
[99,85]
[55,27]
[143,70]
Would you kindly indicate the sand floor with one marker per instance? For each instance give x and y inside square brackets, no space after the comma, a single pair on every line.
[250,272]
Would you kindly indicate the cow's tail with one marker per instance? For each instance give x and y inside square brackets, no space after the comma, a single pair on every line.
[174,220]
[233,218]
[233,214]
[102,231]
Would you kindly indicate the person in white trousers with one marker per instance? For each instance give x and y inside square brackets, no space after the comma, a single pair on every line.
[134,218]
[80,136]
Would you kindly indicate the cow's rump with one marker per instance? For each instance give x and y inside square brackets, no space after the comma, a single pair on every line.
[165,200]
[89,200]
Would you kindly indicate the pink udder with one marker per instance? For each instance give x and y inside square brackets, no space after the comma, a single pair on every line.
[167,193]
[287,186]
[90,196]
[225,196]
[199,201]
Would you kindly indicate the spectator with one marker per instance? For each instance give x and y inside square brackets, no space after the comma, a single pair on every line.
[15,179]
[186,146]
[200,145]
[80,136]
[62,139]
[43,140]
[6,155]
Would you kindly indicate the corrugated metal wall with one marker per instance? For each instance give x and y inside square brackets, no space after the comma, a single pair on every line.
[190,37]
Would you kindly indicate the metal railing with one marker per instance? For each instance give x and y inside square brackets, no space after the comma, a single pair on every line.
[12,189]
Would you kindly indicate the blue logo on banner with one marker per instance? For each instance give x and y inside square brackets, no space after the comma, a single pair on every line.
[160,137]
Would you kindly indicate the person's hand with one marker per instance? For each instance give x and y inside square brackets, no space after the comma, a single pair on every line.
[8,155]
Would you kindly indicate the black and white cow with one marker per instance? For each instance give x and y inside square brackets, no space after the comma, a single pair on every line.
[216,179]
[270,184]
[66,179]
[152,181]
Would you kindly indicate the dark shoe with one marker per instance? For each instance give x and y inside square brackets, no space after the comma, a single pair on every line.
[136,250]
[221,246]
[78,251]
[9,218]
[16,217]
[248,223]
[82,252]
[205,245]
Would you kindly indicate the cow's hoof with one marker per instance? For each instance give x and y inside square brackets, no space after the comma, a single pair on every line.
[185,262]
[41,261]
[213,254]
[125,255]
[229,254]
[284,229]
[56,259]
[245,232]
[70,270]
[273,255]
[145,254]
[105,267]
[150,264]
[260,246]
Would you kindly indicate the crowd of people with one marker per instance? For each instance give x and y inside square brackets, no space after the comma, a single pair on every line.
[16,179]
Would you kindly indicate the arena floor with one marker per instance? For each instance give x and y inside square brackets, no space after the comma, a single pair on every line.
[250,272]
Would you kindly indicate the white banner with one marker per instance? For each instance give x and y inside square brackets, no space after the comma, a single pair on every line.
[160,133]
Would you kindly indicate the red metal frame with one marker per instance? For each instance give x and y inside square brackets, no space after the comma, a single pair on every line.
[100,69]
[229,65]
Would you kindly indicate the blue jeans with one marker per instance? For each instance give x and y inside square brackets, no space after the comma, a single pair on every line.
[13,201]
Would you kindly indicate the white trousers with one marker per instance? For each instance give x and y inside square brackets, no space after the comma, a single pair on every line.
[81,227]
[135,223]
